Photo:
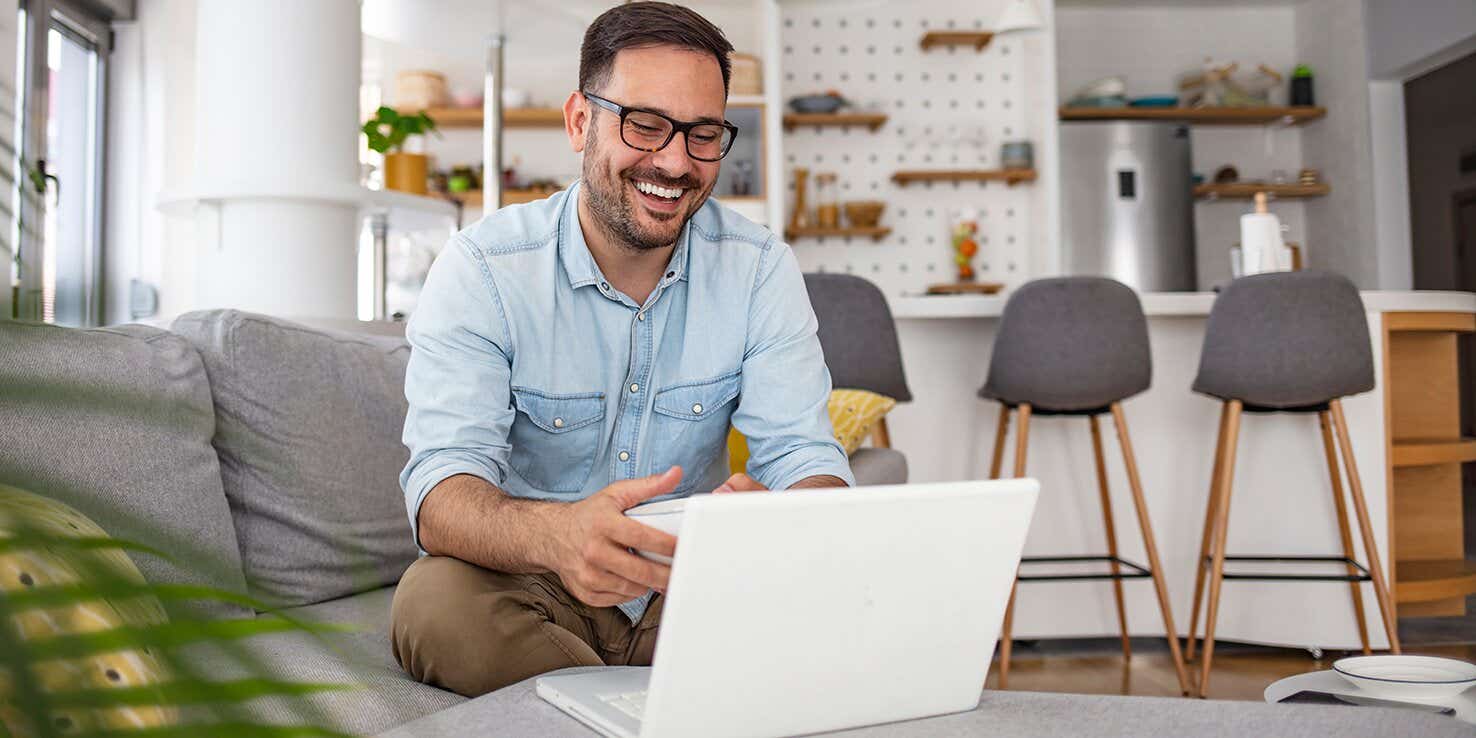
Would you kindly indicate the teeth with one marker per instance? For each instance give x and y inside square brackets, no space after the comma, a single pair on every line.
[651,189]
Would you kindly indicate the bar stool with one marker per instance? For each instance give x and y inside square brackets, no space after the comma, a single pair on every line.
[1292,342]
[1077,346]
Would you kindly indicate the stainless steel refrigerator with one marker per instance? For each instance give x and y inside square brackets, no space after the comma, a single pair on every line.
[1127,203]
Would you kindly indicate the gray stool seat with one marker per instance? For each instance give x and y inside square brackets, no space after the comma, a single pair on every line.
[1286,342]
[858,335]
[1078,346]
[1070,346]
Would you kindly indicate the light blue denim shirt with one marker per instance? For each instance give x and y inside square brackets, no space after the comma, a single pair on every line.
[529,370]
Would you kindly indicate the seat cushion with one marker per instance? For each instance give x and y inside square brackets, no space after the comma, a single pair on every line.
[117,422]
[308,434]
[367,612]
[378,698]
[874,466]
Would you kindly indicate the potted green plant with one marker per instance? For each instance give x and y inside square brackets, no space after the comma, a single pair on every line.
[388,131]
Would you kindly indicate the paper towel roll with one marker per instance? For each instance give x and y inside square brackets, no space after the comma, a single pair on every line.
[1261,247]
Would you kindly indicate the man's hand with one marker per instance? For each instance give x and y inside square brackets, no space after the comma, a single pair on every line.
[740,483]
[592,554]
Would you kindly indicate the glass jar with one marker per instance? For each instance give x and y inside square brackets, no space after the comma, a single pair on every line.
[827,201]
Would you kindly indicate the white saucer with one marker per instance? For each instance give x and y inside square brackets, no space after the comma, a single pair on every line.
[1407,677]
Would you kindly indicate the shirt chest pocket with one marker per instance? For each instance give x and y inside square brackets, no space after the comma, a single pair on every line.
[689,427]
[555,437]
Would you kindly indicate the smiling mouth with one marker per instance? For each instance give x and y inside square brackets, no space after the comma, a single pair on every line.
[658,197]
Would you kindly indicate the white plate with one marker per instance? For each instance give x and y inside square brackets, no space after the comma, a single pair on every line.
[1407,677]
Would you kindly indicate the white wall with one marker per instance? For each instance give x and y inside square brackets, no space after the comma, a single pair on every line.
[1331,39]
[1407,39]
[9,35]
[1168,43]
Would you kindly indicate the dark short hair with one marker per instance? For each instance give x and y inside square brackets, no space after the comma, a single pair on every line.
[645,24]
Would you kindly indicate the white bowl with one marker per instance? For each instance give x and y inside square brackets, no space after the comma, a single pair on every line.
[1407,677]
[665,515]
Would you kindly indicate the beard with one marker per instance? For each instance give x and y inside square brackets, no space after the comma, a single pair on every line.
[611,202]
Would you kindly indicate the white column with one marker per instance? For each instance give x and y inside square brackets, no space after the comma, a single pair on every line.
[277,94]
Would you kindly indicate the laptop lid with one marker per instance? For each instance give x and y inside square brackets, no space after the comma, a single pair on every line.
[815,610]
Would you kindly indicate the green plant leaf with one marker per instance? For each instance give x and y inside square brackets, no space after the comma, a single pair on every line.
[387,114]
[25,539]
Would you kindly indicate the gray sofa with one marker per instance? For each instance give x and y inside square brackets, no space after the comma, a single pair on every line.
[273,445]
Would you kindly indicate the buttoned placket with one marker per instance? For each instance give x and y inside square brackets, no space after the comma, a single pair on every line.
[637,375]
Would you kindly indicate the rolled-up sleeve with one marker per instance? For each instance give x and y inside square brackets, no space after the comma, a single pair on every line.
[458,379]
[786,387]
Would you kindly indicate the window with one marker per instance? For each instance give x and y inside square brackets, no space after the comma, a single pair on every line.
[63,52]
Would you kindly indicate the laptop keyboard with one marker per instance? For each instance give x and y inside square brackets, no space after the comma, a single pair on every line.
[630,703]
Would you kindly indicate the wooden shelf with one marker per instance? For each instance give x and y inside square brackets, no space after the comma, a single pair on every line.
[473,198]
[1439,579]
[1248,190]
[1010,177]
[511,117]
[870,120]
[1413,322]
[1428,452]
[875,233]
[1203,116]
[976,39]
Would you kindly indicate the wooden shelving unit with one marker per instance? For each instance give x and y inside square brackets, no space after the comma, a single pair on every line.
[875,233]
[870,120]
[512,117]
[1283,115]
[1425,451]
[473,198]
[1248,190]
[1010,177]
[977,39]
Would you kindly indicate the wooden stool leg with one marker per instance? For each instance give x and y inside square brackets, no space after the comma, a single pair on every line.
[1204,539]
[1222,522]
[880,436]
[1149,544]
[1343,532]
[1360,508]
[999,441]
[1122,623]
[1022,444]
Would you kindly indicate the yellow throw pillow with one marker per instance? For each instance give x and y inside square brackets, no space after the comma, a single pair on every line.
[40,566]
[853,413]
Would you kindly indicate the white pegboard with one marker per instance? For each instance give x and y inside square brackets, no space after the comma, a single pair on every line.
[948,108]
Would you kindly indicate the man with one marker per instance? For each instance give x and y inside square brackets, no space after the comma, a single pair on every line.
[579,355]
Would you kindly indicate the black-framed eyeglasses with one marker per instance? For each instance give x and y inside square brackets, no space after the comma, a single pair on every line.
[648,130]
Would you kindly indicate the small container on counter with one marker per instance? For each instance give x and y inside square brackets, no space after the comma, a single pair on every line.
[827,201]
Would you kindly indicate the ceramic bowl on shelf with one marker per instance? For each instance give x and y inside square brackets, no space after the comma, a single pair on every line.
[864,213]
[817,103]
[1407,677]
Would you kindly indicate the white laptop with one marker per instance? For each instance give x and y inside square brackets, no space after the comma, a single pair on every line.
[816,610]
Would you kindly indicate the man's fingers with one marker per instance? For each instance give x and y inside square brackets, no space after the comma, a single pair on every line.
[605,582]
[631,492]
[633,568]
[740,483]
[642,537]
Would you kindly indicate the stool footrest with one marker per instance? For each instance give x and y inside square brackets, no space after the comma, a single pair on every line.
[1277,559]
[1138,572]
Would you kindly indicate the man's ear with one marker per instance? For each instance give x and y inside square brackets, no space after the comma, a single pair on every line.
[577,120]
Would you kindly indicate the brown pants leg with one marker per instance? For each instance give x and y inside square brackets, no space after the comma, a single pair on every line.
[460,627]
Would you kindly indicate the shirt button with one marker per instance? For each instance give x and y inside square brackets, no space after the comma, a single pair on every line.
[640,316]
[635,387]
[558,422]
[697,409]
[624,456]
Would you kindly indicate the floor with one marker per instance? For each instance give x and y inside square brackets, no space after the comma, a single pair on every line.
[1241,672]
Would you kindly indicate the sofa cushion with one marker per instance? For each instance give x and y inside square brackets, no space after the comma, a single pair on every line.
[368,613]
[308,432]
[117,422]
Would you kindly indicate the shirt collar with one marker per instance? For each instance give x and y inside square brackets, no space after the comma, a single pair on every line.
[580,265]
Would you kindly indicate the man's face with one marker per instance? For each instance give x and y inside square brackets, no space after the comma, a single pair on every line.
[681,84]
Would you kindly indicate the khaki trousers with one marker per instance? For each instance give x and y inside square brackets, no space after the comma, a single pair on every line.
[460,627]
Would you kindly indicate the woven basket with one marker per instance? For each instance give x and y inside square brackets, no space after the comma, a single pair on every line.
[419,89]
[747,77]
